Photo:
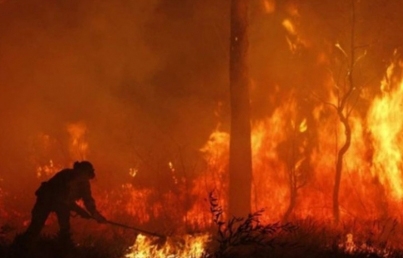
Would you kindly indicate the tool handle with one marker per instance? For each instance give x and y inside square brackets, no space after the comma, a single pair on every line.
[133,228]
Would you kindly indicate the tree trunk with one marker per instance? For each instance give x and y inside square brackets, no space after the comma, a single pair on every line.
[240,160]
[339,165]
[344,120]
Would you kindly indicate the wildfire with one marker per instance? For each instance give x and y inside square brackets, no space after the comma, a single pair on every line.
[47,170]
[78,145]
[386,125]
[183,247]
[351,247]
[294,159]
[288,161]
[296,139]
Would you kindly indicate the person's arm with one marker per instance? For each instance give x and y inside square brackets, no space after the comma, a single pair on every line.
[80,211]
[89,202]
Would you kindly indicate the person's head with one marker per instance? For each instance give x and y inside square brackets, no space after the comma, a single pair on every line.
[85,167]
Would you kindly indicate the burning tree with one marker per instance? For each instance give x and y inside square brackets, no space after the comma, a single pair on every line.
[343,111]
[343,104]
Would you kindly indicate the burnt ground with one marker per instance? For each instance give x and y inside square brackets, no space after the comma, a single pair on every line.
[49,247]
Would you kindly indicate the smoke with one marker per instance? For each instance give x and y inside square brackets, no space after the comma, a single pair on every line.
[141,76]
[146,77]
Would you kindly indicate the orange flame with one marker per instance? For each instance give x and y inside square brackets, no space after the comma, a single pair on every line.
[186,246]
[385,124]
[78,144]
[282,161]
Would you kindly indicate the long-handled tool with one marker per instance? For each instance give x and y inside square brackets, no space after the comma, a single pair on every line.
[136,229]
[161,238]
[84,214]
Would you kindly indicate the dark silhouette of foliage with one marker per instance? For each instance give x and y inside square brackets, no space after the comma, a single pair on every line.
[242,232]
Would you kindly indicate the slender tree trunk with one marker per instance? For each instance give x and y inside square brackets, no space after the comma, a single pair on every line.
[339,165]
[240,160]
[343,113]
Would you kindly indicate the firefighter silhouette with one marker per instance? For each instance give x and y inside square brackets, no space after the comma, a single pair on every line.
[59,194]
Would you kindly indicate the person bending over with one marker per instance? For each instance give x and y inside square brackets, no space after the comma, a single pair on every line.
[59,194]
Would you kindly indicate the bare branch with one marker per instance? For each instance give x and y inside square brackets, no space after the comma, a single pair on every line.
[325,102]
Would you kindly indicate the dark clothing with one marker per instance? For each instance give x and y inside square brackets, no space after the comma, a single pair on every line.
[65,188]
[59,195]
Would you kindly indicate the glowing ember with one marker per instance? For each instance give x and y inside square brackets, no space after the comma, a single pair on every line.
[47,170]
[133,172]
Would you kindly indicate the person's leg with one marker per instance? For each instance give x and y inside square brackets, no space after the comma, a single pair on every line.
[63,217]
[39,214]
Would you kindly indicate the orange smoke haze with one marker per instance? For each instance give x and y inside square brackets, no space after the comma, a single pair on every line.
[136,75]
